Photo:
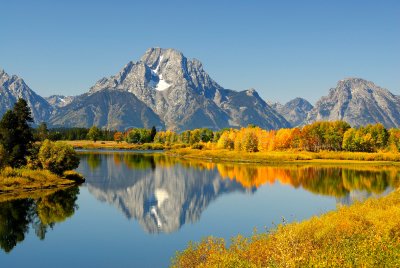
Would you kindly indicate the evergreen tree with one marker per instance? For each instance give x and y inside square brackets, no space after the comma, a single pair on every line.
[16,134]
[153,133]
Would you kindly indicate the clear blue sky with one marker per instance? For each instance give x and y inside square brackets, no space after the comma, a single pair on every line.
[283,49]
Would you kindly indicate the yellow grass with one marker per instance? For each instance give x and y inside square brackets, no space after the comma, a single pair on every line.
[17,182]
[287,156]
[362,235]
[113,145]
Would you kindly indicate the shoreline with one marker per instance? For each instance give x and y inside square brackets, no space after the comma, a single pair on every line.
[112,145]
[223,155]
[369,229]
[287,157]
[24,183]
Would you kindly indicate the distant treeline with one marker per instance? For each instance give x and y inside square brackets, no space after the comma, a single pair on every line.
[319,136]
[42,132]
[328,136]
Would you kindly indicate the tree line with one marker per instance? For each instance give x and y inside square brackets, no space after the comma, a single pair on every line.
[315,137]
[42,132]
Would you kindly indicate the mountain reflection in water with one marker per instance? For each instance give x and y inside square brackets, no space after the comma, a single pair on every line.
[164,193]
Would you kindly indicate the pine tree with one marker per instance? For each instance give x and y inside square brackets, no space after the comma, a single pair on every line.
[16,134]
[153,133]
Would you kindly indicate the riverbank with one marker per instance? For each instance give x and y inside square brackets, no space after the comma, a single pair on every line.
[22,183]
[327,157]
[113,145]
[361,235]
[223,155]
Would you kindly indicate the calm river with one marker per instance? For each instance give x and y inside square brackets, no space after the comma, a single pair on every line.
[138,209]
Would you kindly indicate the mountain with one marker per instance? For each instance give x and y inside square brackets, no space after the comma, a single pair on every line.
[184,96]
[12,88]
[358,102]
[111,109]
[294,111]
[59,100]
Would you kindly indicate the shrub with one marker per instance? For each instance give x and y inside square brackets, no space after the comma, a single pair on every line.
[198,146]
[57,157]
[74,176]
[179,146]
[32,158]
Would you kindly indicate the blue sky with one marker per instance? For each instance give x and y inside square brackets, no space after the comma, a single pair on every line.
[284,49]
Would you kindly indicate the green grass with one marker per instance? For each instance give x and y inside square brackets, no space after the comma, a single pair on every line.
[362,235]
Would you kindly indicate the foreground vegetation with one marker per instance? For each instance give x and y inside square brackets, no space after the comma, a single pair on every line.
[362,235]
[28,165]
[14,182]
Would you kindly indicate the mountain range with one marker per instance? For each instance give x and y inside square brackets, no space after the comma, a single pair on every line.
[167,90]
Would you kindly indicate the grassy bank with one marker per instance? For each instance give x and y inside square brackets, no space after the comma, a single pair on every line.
[285,156]
[362,235]
[113,145]
[21,182]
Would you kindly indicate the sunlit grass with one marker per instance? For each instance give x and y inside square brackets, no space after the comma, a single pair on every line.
[362,235]
[123,145]
[280,156]
[16,182]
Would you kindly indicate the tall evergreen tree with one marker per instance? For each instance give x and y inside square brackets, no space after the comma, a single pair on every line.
[16,134]
[153,133]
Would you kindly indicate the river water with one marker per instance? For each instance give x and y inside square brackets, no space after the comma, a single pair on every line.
[138,209]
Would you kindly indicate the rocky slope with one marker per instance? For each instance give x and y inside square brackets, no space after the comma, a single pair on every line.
[111,109]
[58,101]
[294,111]
[359,102]
[14,87]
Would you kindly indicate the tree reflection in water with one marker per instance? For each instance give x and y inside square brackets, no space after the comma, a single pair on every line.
[43,213]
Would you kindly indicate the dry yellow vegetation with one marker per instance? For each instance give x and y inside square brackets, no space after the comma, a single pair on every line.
[113,145]
[286,156]
[362,235]
[23,182]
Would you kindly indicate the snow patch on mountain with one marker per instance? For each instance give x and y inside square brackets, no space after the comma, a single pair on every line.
[162,84]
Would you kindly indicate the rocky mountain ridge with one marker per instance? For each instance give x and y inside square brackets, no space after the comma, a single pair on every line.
[294,111]
[170,91]
[358,102]
[13,87]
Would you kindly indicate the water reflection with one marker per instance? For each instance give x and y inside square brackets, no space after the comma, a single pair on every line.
[164,193]
[16,216]
[160,192]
